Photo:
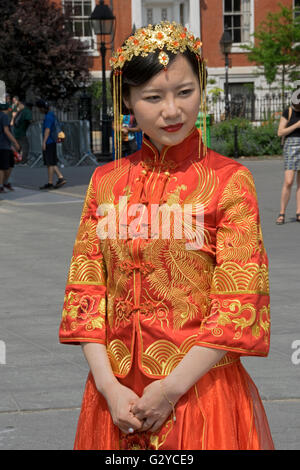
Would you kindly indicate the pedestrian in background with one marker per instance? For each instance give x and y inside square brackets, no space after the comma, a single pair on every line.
[289,129]
[14,109]
[49,147]
[129,128]
[22,121]
[9,105]
[6,153]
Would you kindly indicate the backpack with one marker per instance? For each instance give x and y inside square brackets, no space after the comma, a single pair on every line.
[57,133]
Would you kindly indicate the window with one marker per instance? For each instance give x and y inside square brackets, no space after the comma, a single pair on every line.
[149,15]
[237,15]
[181,13]
[80,11]
[297,10]
[242,100]
[164,14]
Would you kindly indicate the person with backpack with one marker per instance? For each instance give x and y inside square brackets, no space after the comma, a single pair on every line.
[49,146]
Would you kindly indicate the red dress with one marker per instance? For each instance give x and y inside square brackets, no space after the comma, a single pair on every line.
[151,295]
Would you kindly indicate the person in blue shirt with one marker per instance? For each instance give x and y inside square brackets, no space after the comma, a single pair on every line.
[49,147]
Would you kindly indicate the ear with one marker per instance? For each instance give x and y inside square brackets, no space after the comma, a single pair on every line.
[126,100]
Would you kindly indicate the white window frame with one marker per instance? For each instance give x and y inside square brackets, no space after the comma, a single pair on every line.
[236,46]
[91,41]
[296,8]
[193,13]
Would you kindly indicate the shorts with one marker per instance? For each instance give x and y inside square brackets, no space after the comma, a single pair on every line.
[6,159]
[50,155]
[291,153]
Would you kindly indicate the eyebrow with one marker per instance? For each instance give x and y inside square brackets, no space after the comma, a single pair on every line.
[157,90]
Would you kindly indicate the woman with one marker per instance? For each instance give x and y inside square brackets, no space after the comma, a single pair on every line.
[163,322]
[289,128]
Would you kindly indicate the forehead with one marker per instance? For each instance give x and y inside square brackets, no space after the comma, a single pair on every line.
[177,72]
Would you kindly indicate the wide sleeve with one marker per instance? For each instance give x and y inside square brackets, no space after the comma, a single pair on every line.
[238,319]
[84,309]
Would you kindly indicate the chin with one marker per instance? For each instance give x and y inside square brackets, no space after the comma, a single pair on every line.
[176,139]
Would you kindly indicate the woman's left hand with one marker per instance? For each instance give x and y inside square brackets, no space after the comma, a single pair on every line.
[152,408]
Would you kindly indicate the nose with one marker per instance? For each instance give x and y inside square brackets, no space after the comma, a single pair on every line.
[170,109]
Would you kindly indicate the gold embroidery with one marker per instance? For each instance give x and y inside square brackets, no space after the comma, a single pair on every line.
[242,316]
[167,428]
[247,279]
[264,313]
[163,356]
[238,236]
[159,359]
[86,271]
[206,186]
[119,356]
[85,310]
[87,241]
[182,278]
[90,195]
[105,193]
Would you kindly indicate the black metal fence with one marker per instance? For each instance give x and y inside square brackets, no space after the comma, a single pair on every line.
[252,107]
[257,109]
[82,107]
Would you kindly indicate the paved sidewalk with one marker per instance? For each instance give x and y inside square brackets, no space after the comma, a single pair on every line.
[42,381]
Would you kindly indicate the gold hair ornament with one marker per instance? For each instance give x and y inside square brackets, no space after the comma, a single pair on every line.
[171,36]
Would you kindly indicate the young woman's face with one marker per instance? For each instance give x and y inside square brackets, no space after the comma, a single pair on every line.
[166,107]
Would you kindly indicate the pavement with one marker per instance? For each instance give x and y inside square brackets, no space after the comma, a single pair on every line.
[42,381]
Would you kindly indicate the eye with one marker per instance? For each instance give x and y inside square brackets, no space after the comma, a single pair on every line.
[152,98]
[186,92]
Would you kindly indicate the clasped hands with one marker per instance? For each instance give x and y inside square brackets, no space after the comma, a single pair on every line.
[133,413]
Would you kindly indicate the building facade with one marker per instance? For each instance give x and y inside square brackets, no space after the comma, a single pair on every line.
[206,18]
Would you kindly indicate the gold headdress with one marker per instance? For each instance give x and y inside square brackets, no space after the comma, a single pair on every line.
[164,36]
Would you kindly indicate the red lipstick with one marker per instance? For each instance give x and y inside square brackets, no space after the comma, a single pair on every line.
[174,128]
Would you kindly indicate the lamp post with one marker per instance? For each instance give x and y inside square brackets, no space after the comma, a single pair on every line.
[225,45]
[103,22]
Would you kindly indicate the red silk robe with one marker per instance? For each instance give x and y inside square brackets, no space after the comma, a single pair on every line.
[151,296]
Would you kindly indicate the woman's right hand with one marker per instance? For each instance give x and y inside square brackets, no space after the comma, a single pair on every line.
[120,400]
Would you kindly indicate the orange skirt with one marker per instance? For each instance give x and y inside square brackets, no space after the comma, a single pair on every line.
[222,411]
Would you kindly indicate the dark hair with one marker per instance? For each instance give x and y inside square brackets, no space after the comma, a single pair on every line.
[140,69]
[42,104]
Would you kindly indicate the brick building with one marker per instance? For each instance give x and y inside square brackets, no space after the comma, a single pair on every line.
[206,18]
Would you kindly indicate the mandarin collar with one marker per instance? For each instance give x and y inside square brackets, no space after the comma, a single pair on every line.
[191,146]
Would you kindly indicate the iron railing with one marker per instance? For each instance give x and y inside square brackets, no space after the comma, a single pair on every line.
[253,107]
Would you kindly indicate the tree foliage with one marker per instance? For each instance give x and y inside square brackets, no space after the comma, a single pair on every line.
[38,51]
[275,47]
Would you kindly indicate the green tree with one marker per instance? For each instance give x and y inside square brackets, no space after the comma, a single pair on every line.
[38,51]
[277,47]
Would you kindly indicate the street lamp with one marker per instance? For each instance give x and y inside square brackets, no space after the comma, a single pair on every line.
[103,23]
[225,45]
